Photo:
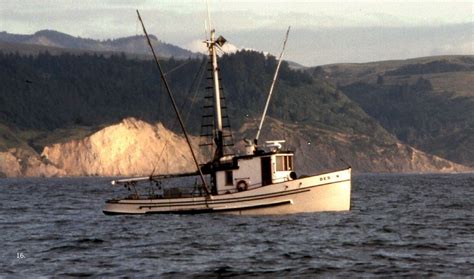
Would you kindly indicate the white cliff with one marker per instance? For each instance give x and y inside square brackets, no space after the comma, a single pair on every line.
[134,147]
[131,147]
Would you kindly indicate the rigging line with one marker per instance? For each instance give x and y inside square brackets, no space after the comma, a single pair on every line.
[201,72]
[195,84]
[178,67]
[173,102]
[197,79]
[164,146]
[167,140]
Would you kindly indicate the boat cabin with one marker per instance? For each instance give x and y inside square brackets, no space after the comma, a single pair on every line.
[252,171]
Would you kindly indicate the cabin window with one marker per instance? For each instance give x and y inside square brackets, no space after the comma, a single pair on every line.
[280,165]
[284,163]
[229,178]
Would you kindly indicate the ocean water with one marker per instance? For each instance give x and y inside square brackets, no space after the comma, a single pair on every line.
[399,225]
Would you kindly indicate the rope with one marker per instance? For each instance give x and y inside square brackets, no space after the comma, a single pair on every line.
[178,67]
[197,79]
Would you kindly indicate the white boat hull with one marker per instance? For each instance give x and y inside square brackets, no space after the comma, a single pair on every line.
[325,192]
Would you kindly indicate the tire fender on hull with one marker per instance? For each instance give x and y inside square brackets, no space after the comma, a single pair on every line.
[242,185]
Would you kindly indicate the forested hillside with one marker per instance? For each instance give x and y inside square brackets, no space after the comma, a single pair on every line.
[50,92]
[48,99]
[426,102]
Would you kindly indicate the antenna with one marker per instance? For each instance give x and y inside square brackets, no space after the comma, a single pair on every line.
[205,30]
[272,86]
[208,15]
[207,22]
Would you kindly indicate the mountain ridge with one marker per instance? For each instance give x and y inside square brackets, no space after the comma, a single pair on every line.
[131,44]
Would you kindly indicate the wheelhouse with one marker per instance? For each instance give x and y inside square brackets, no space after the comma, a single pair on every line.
[252,171]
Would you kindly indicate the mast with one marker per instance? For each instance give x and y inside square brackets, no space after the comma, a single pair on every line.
[212,45]
[272,86]
[175,107]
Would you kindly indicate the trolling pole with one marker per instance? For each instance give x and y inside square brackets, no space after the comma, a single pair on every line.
[271,87]
[206,188]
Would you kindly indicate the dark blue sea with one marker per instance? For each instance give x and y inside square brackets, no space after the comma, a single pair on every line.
[399,226]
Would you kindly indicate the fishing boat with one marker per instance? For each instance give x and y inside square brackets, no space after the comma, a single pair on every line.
[261,181]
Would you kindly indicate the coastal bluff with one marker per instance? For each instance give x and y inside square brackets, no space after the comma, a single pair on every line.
[135,147]
[131,147]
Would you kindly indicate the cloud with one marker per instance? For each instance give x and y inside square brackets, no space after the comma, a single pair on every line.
[200,46]
[196,46]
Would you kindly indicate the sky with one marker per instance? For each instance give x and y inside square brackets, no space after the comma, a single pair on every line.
[322,32]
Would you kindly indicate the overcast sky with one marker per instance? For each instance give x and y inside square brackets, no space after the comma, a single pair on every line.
[322,32]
